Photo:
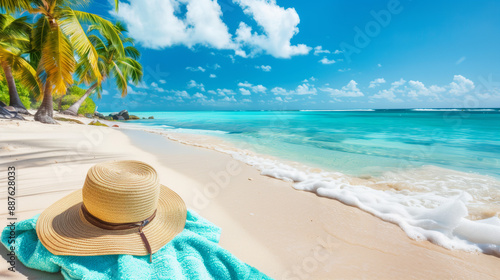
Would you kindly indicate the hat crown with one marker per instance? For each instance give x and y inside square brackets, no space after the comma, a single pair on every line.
[121,191]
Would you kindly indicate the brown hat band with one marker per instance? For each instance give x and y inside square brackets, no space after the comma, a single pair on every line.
[119,226]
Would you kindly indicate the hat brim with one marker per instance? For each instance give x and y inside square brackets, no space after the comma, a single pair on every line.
[63,230]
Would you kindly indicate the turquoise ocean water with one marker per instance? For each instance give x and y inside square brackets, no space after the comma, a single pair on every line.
[435,173]
[357,143]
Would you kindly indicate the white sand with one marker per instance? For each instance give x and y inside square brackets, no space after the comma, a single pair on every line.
[285,233]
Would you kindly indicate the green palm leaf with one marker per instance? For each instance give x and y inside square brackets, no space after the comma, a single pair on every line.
[12,6]
[72,28]
[131,68]
[57,62]
[121,80]
[132,52]
[23,71]
[107,28]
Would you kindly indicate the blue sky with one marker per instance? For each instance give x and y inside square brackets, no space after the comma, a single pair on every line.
[288,55]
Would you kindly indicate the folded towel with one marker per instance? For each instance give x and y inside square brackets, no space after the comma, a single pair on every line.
[192,254]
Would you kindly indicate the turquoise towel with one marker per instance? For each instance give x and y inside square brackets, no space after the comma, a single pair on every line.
[192,254]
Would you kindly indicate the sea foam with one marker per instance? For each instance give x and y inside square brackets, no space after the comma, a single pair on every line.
[422,215]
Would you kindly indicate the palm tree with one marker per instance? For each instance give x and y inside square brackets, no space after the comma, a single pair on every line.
[14,42]
[111,65]
[59,36]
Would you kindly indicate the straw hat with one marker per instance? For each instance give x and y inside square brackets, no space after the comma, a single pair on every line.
[121,209]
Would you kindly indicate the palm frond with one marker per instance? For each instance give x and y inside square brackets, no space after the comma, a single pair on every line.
[39,33]
[98,43]
[120,79]
[83,72]
[14,32]
[132,52]
[98,90]
[129,40]
[22,70]
[57,63]
[27,76]
[72,27]
[107,28]
[73,3]
[121,27]
[12,6]
[131,68]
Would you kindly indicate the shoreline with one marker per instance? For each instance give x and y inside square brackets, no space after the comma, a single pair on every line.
[446,219]
[335,239]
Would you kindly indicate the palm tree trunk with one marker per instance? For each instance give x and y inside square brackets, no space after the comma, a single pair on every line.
[45,113]
[15,101]
[73,109]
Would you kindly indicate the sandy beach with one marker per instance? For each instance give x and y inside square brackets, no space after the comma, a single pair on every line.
[285,233]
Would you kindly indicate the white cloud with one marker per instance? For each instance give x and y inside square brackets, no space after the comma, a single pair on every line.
[319,50]
[461,85]
[215,67]
[131,91]
[256,89]
[182,94]
[398,83]
[436,89]
[259,89]
[312,79]
[387,94]
[379,65]
[337,52]
[142,85]
[196,69]
[160,24]
[278,24]
[155,23]
[413,89]
[246,100]
[245,84]
[213,76]
[390,94]
[279,91]
[199,96]
[223,92]
[245,91]
[349,90]
[229,99]
[265,68]
[156,87]
[325,60]
[376,82]
[279,99]
[303,89]
[417,89]
[105,92]
[162,81]
[194,84]
[345,70]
